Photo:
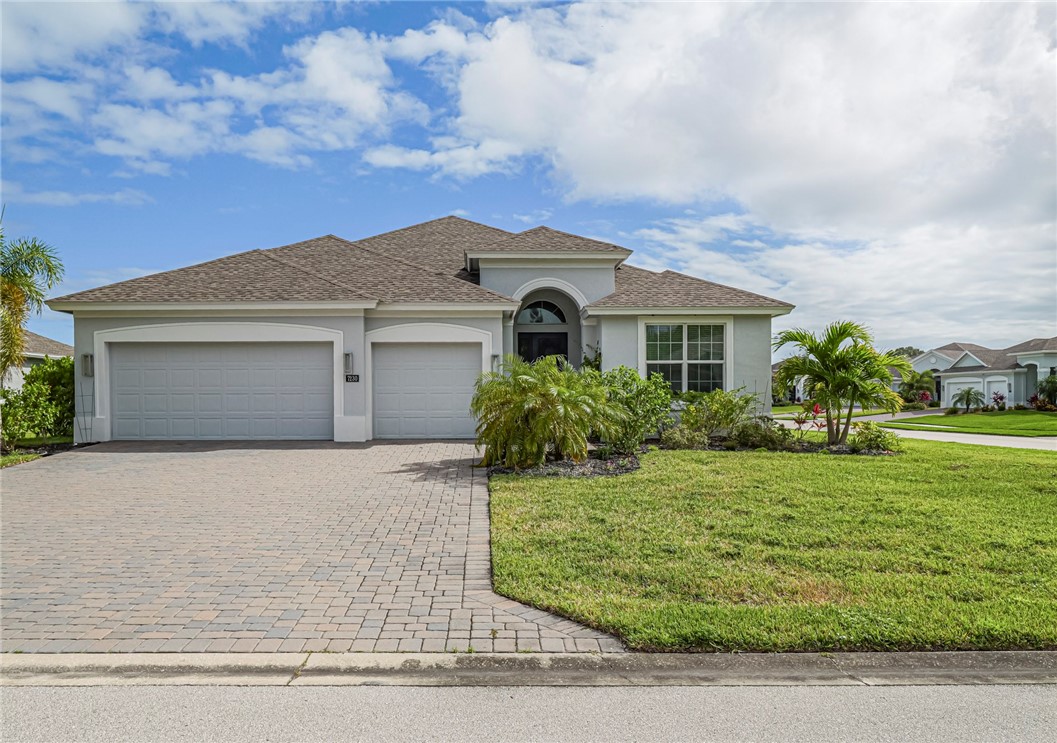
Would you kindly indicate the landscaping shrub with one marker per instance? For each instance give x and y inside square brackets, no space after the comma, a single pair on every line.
[762,433]
[719,410]
[934,403]
[681,437]
[56,376]
[1020,406]
[915,406]
[869,436]
[26,412]
[646,404]
[529,411]
[951,411]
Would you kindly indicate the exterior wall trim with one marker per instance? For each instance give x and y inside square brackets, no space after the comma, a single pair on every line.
[418,332]
[693,311]
[547,282]
[212,332]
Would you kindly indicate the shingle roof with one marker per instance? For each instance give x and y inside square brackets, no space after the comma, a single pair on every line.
[545,239]
[1034,345]
[637,287]
[253,276]
[42,346]
[386,278]
[439,244]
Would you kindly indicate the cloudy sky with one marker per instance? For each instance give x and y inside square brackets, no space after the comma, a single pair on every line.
[888,163]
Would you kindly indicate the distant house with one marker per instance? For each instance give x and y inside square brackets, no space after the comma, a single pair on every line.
[1014,371]
[37,349]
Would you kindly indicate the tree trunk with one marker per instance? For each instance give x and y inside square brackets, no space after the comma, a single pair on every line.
[847,422]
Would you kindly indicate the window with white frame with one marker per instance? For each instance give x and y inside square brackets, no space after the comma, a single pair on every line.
[689,356]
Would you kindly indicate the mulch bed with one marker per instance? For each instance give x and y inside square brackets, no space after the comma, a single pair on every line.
[594,466]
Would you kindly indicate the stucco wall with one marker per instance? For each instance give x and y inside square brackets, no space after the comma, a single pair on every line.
[593,282]
[619,338]
[752,356]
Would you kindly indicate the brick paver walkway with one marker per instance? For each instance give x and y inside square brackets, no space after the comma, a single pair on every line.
[181,547]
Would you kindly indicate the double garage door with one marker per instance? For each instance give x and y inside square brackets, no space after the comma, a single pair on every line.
[285,390]
[222,390]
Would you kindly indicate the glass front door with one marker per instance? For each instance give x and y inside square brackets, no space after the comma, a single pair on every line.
[531,346]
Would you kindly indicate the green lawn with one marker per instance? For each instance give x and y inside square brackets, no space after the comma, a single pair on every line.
[43,441]
[946,546]
[17,457]
[1002,423]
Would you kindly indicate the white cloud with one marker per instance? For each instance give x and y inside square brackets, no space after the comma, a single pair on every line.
[535,217]
[14,193]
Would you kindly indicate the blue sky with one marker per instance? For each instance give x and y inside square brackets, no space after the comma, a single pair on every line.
[892,164]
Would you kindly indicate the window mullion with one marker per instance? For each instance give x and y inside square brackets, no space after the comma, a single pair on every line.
[686,357]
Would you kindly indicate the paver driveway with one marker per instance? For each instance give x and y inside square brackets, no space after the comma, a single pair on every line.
[178,547]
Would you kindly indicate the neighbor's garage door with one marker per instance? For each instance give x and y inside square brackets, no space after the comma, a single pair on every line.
[222,390]
[423,390]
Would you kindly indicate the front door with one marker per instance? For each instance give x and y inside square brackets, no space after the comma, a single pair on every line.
[531,346]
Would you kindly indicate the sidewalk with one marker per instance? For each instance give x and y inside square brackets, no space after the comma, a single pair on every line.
[529,669]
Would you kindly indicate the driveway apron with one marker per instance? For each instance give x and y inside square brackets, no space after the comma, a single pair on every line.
[259,547]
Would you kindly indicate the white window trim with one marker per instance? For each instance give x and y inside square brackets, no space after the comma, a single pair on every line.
[424,332]
[208,332]
[728,340]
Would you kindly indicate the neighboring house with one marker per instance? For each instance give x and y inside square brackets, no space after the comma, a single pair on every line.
[1014,371]
[38,348]
[795,392]
[385,337]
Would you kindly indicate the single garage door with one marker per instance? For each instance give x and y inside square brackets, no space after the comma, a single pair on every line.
[222,390]
[423,390]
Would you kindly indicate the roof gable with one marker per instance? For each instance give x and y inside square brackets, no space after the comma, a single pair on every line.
[637,287]
[548,240]
[39,345]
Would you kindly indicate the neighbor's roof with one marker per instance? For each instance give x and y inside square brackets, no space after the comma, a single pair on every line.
[38,345]
[637,287]
[547,240]
[1000,359]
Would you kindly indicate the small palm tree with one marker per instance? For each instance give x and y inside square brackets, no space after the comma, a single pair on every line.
[970,397]
[1048,388]
[28,269]
[914,383]
[841,369]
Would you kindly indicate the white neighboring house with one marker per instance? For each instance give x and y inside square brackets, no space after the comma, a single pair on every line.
[38,348]
[384,337]
[1014,371]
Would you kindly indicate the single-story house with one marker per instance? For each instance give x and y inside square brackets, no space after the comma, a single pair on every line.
[1014,371]
[385,337]
[38,348]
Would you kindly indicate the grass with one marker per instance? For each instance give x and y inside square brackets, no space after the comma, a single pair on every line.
[17,457]
[32,441]
[1001,423]
[946,546]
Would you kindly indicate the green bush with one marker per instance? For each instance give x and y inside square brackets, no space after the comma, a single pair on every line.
[26,412]
[869,436]
[762,433]
[719,410]
[952,411]
[915,406]
[529,411]
[934,403]
[56,375]
[681,437]
[646,403]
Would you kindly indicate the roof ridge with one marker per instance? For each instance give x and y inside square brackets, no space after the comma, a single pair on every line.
[420,267]
[304,270]
[429,221]
[514,235]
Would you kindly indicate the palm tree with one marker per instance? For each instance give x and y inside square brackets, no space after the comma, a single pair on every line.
[970,397]
[841,369]
[28,269]
[914,383]
[1048,388]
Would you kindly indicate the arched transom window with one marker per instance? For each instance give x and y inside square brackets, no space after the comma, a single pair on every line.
[541,313]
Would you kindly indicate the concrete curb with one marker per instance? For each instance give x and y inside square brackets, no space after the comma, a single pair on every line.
[509,669]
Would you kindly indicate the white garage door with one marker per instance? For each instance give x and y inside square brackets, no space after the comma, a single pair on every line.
[423,390]
[222,390]
[957,385]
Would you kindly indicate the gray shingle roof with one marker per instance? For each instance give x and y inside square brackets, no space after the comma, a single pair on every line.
[43,346]
[637,287]
[439,244]
[998,359]
[545,239]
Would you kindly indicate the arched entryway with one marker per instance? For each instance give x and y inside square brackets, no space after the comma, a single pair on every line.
[546,324]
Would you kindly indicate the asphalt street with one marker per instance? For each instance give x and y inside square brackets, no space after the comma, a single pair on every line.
[773,713]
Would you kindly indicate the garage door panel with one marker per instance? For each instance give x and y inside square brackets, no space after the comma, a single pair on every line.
[222,391]
[423,390]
